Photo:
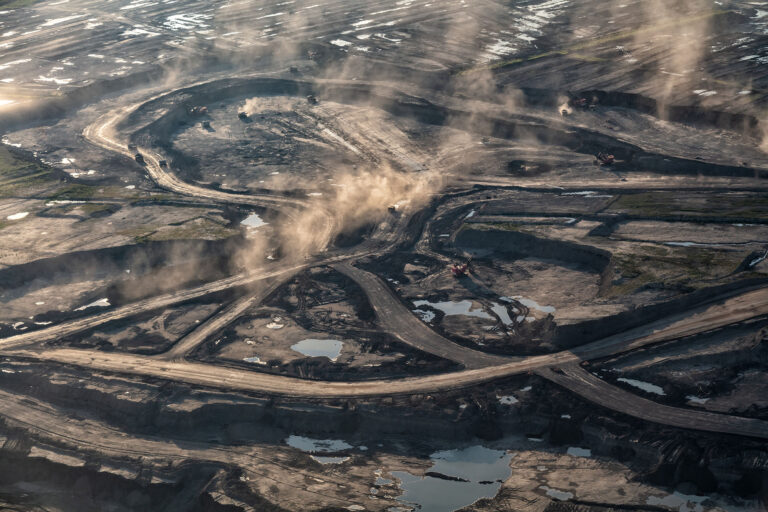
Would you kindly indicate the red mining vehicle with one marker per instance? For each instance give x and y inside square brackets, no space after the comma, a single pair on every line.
[198,110]
[579,102]
[605,159]
[460,270]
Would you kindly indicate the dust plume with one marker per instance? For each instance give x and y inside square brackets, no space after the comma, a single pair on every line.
[679,31]
[355,199]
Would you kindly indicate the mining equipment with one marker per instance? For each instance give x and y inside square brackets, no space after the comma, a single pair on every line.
[605,159]
[139,158]
[579,102]
[312,99]
[206,125]
[162,163]
[242,116]
[460,269]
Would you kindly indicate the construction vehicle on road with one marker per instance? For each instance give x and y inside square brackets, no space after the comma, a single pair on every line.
[139,158]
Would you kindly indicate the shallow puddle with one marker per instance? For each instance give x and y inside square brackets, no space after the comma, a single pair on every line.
[473,473]
[319,348]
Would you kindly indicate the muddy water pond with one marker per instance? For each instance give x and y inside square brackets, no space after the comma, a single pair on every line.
[463,307]
[463,476]
[319,348]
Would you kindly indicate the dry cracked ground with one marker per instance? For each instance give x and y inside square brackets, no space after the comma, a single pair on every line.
[389,255]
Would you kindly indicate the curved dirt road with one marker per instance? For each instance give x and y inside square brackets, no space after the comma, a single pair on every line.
[579,381]
[393,317]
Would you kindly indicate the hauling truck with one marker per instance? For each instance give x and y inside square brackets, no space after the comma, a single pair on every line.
[460,269]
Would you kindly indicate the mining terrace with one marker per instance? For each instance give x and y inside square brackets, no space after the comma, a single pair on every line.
[419,255]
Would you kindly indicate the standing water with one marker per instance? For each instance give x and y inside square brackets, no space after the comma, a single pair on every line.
[472,473]
[319,348]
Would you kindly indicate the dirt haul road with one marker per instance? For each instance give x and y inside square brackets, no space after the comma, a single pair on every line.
[393,316]
[587,385]
[102,134]
[728,311]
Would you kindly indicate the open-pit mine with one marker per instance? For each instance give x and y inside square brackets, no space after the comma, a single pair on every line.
[385,255]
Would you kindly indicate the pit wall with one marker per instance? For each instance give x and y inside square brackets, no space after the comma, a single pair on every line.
[573,335]
[175,410]
[115,260]
[687,114]
[577,139]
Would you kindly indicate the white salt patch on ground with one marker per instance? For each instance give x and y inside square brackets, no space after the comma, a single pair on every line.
[645,386]
[254,359]
[340,42]
[17,216]
[253,221]
[57,202]
[57,81]
[696,399]
[101,303]
[507,399]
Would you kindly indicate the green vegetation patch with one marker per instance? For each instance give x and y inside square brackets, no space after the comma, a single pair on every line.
[498,226]
[673,268]
[201,228]
[74,192]
[19,174]
[732,205]
[15,4]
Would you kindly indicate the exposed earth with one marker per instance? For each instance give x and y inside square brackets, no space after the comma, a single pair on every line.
[388,256]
